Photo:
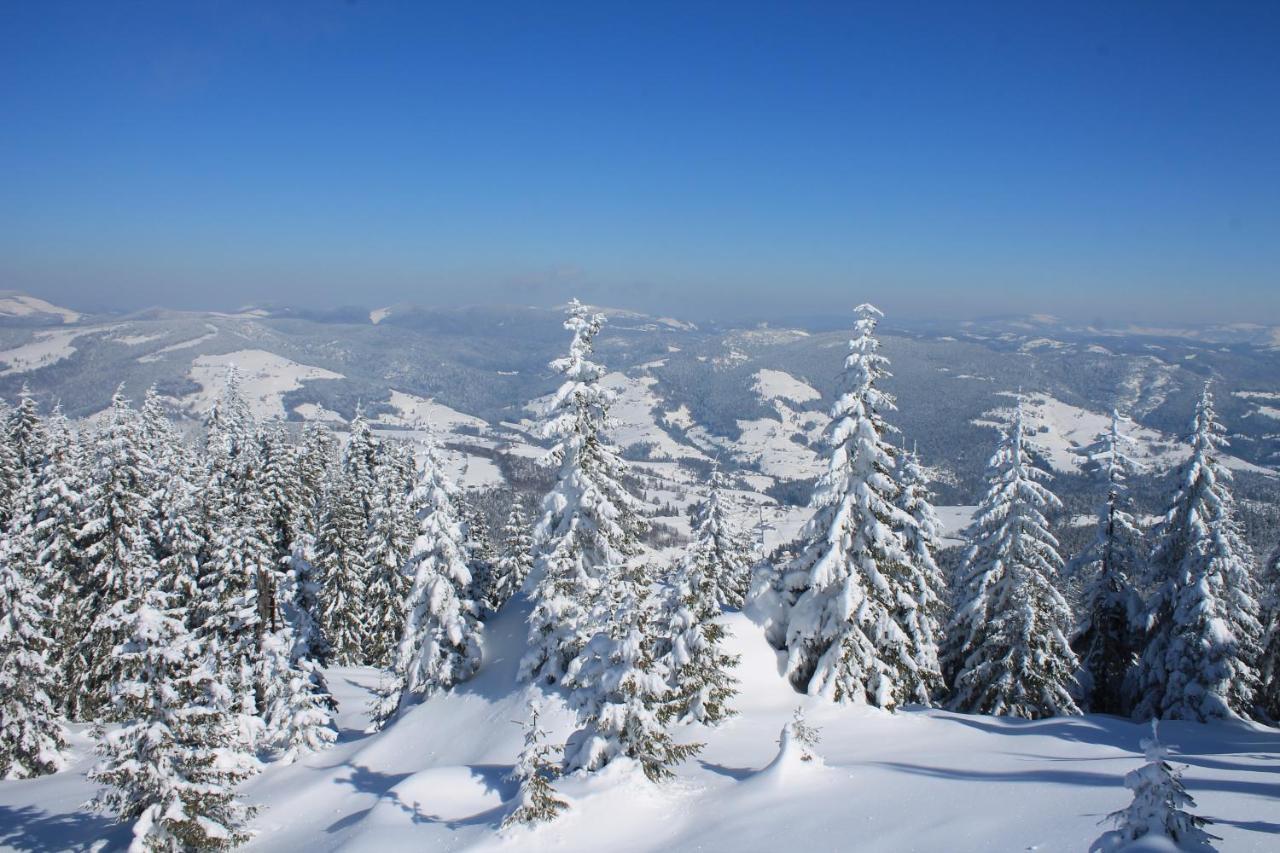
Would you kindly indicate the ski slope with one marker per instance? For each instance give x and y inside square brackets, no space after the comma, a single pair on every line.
[918,780]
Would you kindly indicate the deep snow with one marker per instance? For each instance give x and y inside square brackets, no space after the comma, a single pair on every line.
[918,780]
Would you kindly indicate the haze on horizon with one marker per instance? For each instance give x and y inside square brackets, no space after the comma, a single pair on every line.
[1088,160]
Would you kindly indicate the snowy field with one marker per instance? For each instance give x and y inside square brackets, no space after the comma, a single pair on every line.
[912,781]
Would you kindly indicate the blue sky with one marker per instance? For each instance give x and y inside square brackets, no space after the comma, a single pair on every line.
[730,160]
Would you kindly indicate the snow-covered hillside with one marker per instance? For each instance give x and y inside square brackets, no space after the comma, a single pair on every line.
[911,781]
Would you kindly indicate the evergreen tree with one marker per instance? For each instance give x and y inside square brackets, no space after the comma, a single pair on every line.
[26,433]
[1008,649]
[617,686]
[921,609]
[297,708]
[534,771]
[31,739]
[392,531]
[1104,637]
[440,642]
[173,763]
[1202,632]
[114,537]
[159,438]
[316,459]
[482,557]
[57,494]
[699,668]
[1160,802]
[722,551]
[589,521]
[843,640]
[515,561]
[11,469]
[1269,665]
[344,575]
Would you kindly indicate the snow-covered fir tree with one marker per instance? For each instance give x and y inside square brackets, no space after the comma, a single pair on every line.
[482,556]
[699,669]
[721,549]
[515,559]
[590,521]
[171,766]
[31,738]
[114,538]
[297,708]
[1269,664]
[392,532]
[26,432]
[57,491]
[1007,648]
[537,801]
[1202,633]
[842,636]
[618,687]
[317,457]
[341,549]
[1104,638]
[1160,803]
[440,641]
[921,610]
[11,470]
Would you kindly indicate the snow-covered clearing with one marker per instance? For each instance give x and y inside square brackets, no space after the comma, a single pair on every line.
[414,411]
[912,781]
[45,348]
[1065,430]
[264,380]
[778,385]
[633,418]
[181,345]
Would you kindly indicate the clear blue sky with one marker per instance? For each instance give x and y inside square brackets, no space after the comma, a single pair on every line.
[730,159]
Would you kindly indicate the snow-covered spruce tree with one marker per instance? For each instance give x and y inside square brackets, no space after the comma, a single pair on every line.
[1104,638]
[172,765]
[1269,665]
[699,670]
[514,562]
[589,521]
[114,538]
[392,532]
[31,739]
[26,432]
[1007,648]
[722,550]
[440,642]
[344,575]
[297,708]
[618,687]
[1202,632]
[921,611]
[534,771]
[482,556]
[239,575]
[160,439]
[1160,803]
[57,491]
[11,470]
[317,457]
[843,638]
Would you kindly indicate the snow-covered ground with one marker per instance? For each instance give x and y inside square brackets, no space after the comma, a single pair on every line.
[1065,431]
[916,780]
[264,380]
[13,304]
